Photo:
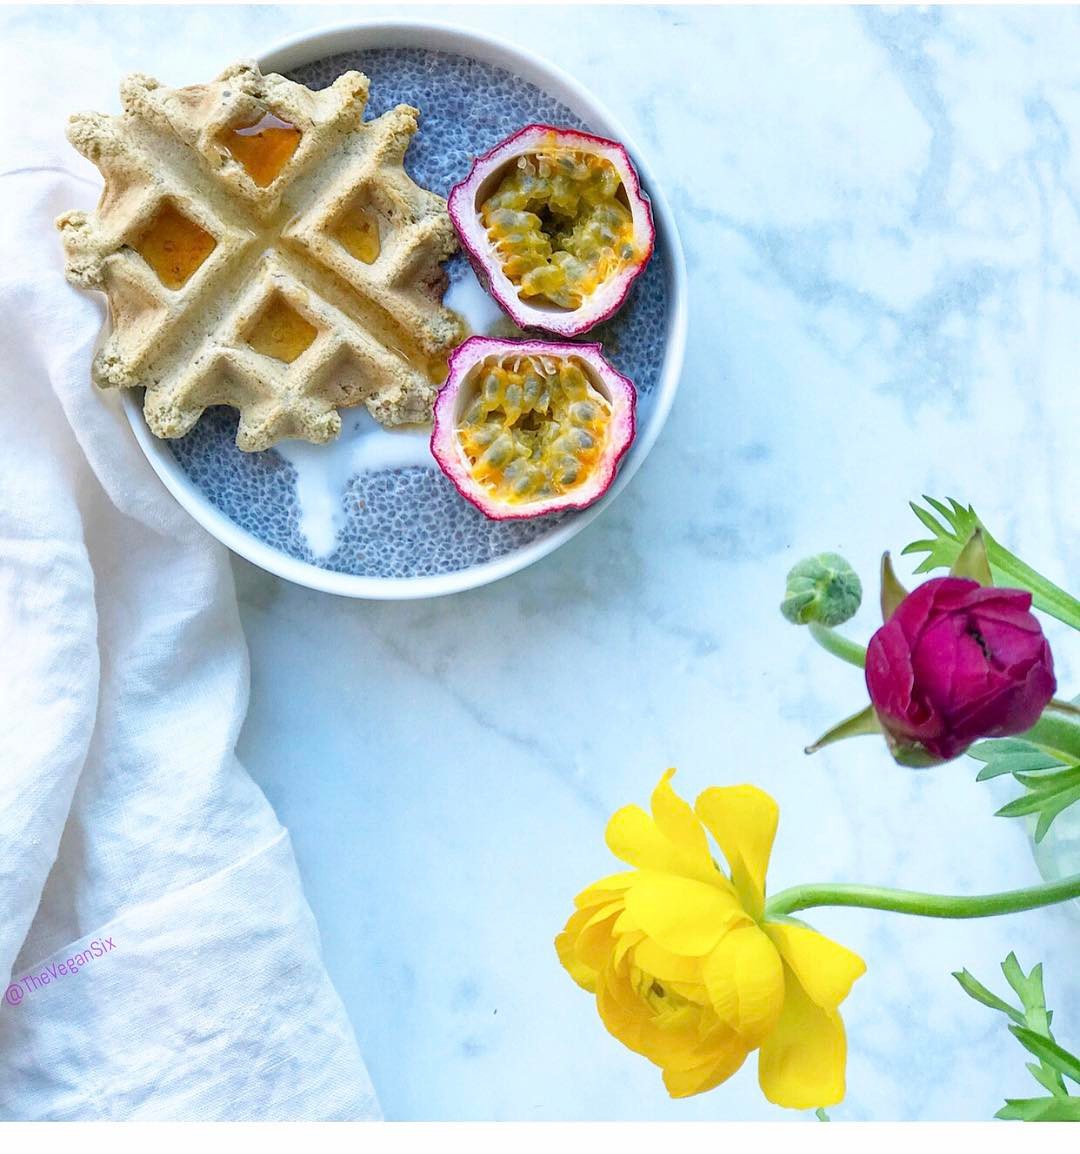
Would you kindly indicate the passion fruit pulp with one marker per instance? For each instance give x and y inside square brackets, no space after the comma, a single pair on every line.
[556,224]
[524,428]
[559,226]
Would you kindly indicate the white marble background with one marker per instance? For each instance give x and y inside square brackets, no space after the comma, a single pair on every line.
[881,213]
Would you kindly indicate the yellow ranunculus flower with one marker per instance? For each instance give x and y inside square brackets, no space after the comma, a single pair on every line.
[686,970]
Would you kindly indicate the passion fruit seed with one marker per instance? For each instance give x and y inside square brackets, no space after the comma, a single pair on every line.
[536,428]
[559,226]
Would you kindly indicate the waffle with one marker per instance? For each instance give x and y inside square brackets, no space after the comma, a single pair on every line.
[261,246]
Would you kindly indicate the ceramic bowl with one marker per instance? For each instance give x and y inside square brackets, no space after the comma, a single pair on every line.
[370,516]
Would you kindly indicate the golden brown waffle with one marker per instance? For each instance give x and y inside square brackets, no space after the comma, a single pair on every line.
[261,246]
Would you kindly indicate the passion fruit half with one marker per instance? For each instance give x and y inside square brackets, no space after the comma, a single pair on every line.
[524,428]
[556,225]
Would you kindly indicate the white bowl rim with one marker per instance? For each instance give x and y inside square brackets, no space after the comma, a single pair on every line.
[305,47]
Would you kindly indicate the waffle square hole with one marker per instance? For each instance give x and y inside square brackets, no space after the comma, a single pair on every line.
[358,229]
[174,246]
[263,146]
[281,332]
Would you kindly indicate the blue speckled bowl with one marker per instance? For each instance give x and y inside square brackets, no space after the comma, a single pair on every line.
[404,531]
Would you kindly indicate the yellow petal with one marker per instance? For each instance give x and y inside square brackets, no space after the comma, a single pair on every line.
[681,915]
[625,943]
[669,1035]
[665,965]
[630,1019]
[566,948]
[744,978]
[691,992]
[825,969]
[596,939]
[801,1064]
[676,821]
[601,914]
[668,1042]
[726,1054]
[633,837]
[672,1041]
[605,890]
[715,1042]
[743,820]
[624,1022]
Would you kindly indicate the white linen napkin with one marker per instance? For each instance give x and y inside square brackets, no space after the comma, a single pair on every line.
[159,956]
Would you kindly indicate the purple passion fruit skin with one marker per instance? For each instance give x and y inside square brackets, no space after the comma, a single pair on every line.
[556,225]
[524,428]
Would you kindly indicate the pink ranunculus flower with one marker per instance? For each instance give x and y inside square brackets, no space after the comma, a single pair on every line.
[956,662]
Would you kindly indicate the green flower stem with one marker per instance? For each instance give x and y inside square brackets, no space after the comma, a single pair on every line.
[832,642]
[1010,571]
[922,905]
[1059,733]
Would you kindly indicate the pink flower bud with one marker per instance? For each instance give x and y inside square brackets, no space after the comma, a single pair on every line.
[956,662]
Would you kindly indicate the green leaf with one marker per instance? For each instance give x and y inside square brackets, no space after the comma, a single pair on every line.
[949,534]
[857,725]
[1031,1027]
[1017,763]
[1057,735]
[930,521]
[1048,796]
[971,561]
[1048,1052]
[955,514]
[1040,1110]
[892,592]
[924,546]
[1052,810]
[975,989]
[1022,984]
[1044,782]
[1052,784]
[991,769]
[821,1116]
[1021,806]
[1001,746]
[1008,571]
[1048,1079]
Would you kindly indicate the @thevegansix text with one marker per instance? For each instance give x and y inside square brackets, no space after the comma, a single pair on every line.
[55,971]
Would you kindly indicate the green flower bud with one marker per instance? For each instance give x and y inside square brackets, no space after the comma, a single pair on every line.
[824,588]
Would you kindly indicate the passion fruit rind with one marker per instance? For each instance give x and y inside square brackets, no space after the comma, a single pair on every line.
[528,428]
[556,225]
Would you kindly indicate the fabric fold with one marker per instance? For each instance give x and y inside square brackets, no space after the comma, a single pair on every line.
[123,809]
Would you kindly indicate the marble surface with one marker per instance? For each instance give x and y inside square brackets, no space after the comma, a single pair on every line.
[882,224]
